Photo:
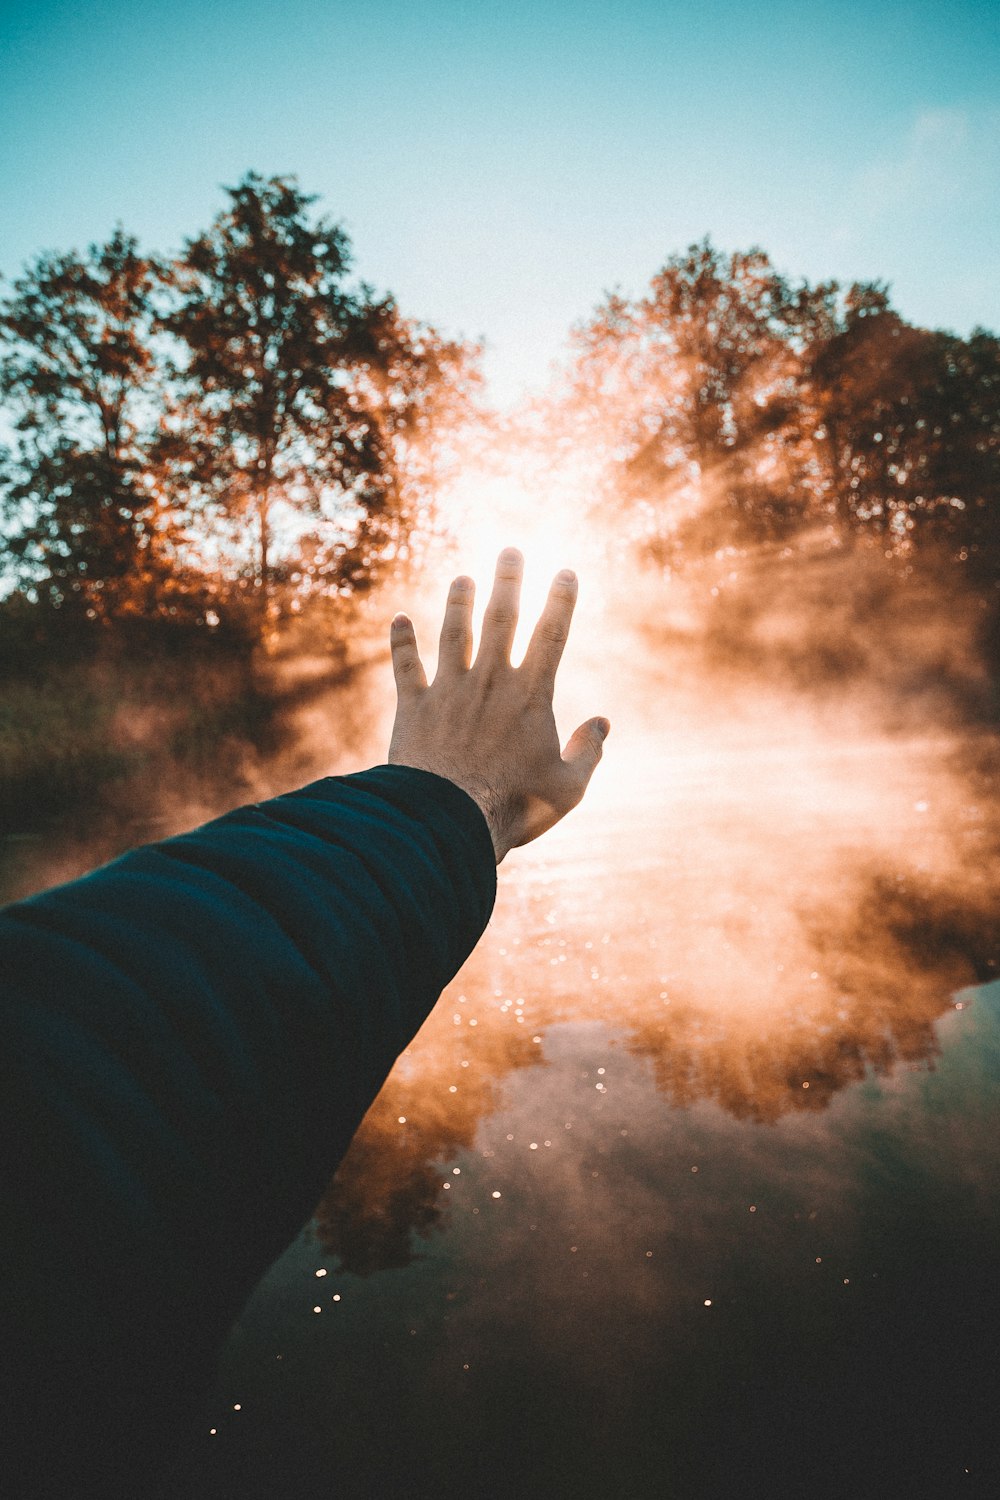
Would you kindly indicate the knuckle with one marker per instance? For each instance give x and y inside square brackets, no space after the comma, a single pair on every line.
[487,681]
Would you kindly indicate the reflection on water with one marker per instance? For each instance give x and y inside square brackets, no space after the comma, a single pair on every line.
[687,1187]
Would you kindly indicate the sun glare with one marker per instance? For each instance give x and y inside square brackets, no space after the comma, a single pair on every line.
[488,512]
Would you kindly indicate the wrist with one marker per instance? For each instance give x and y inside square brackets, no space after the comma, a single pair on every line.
[483,795]
[488,803]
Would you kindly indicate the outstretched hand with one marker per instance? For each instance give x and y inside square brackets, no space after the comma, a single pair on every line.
[486,725]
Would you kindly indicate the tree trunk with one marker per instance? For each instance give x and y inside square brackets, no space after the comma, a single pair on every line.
[266,471]
[264,561]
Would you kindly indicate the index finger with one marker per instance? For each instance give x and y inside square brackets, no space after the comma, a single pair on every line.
[455,649]
[548,639]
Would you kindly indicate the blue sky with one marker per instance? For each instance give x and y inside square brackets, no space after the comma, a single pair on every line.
[500,163]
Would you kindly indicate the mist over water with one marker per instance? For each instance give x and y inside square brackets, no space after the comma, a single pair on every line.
[774,886]
[673,1185]
[694,1163]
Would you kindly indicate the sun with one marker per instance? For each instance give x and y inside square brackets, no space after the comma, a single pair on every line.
[487,512]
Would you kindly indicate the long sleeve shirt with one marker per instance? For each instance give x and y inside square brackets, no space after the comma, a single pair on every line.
[192,1035]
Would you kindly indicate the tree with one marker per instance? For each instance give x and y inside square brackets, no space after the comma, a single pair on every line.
[301,400]
[88,529]
[911,425]
[695,388]
[733,407]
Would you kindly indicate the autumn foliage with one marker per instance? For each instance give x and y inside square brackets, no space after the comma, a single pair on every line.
[219,437]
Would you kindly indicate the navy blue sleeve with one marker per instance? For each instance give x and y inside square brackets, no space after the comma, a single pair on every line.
[193,1034]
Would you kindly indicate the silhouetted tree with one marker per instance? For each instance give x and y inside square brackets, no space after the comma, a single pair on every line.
[302,402]
[87,527]
[911,425]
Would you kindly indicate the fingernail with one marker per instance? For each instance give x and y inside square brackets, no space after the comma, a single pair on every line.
[399,622]
[510,555]
[566,575]
[603,727]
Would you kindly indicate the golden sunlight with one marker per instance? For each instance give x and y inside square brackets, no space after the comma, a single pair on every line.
[488,510]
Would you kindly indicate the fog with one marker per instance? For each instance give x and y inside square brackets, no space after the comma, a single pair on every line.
[781,877]
[717,1087]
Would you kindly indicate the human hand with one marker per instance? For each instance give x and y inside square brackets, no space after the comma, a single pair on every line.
[488,726]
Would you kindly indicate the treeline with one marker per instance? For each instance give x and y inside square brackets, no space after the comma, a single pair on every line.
[217,441]
[231,436]
[734,407]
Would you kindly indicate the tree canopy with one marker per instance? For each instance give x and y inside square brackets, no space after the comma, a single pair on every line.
[243,429]
[233,430]
[87,524]
[734,406]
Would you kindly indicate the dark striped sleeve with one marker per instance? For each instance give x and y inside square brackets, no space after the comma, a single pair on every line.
[194,1033]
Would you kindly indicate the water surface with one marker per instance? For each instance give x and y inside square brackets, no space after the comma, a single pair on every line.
[689,1185]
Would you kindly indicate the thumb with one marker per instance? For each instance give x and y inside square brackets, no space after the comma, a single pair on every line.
[584,749]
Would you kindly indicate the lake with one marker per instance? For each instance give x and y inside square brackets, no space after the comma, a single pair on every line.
[690,1185]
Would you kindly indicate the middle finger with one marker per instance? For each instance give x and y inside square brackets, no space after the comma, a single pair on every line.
[500,619]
